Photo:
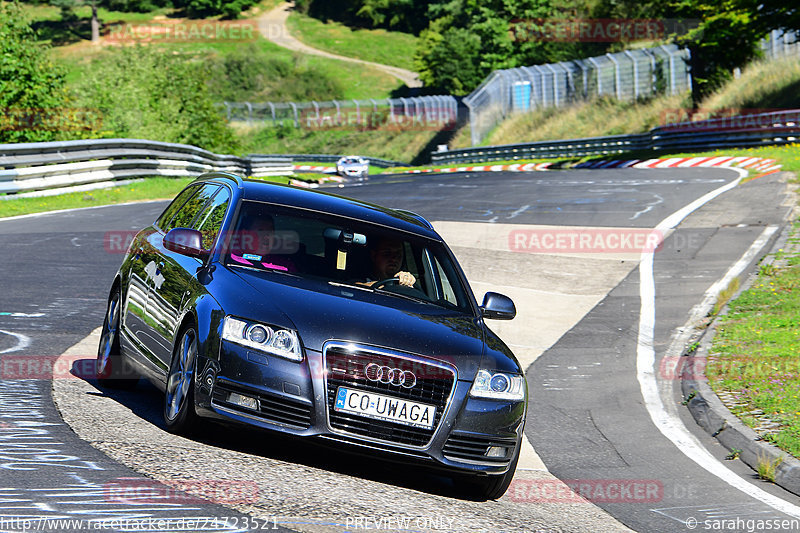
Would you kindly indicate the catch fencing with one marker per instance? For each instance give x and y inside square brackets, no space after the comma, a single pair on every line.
[437,112]
[627,75]
[780,43]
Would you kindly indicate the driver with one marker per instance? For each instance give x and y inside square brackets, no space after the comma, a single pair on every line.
[387,259]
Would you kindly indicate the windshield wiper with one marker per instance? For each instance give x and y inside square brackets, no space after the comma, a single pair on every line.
[350,285]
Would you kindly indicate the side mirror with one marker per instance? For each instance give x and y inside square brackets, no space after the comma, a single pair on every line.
[185,241]
[498,306]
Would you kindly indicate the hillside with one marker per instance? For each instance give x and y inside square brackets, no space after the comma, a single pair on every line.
[762,86]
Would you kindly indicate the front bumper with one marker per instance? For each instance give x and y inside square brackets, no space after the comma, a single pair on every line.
[293,398]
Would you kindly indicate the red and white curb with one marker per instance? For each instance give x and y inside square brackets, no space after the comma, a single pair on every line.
[758,164]
[519,167]
[761,165]
[313,168]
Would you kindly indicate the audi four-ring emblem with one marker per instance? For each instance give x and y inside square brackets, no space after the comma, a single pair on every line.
[393,376]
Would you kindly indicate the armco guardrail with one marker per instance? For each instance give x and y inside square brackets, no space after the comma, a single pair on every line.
[327,158]
[39,166]
[739,131]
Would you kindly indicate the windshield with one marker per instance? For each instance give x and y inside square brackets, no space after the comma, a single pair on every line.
[338,250]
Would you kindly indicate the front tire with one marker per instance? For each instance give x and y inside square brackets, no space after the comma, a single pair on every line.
[110,369]
[179,414]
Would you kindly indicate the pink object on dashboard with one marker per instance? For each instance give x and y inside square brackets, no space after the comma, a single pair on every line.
[241,260]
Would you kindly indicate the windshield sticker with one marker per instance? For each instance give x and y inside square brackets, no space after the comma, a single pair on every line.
[252,257]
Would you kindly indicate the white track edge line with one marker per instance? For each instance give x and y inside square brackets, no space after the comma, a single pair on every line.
[670,426]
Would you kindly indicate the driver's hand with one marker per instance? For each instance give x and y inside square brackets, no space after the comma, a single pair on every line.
[406,278]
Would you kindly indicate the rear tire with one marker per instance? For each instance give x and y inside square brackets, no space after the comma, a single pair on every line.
[179,414]
[110,367]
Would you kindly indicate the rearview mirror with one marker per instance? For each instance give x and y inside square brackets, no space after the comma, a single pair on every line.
[345,237]
[185,241]
[498,307]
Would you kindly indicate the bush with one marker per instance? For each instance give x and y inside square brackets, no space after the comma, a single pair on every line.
[145,93]
[250,73]
[208,8]
[33,97]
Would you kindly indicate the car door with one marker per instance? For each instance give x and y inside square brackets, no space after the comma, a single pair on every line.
[142,274]
[205,212]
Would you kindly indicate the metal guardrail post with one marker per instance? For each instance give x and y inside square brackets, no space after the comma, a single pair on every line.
[635,74]
[474,135]
[617,82]
[688,71]
[653,75]
[672,89]
[596,65]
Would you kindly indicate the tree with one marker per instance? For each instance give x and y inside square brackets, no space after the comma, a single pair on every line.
[68,16]
[146,94]
[206,8]
[33,96]
[468,39]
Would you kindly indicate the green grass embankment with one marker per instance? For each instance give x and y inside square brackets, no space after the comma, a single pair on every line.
[379,46]
[754,362]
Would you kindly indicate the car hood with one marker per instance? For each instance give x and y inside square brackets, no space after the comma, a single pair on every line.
[322,312]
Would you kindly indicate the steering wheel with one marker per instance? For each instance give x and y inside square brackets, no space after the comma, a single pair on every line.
[387,281]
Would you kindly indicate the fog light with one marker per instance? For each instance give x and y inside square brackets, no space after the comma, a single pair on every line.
[243,401]
[496,451]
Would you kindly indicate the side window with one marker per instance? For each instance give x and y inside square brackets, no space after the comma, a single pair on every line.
[185,216]
[209,221]
[176,204]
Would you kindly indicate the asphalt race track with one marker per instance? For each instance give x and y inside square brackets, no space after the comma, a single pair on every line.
[588,420]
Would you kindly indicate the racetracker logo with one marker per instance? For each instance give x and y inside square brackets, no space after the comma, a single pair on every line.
[588,241]
[274,242]
[137,491]
[50,119]
[385,119]
[598,30]
[694,368]
[47,367]
[728,119]
[183,32]
[586,490]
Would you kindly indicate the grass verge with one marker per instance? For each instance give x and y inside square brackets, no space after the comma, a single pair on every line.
[755,355]
[395,145]
[379,46]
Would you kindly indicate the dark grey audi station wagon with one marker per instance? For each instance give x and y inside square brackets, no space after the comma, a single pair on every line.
[318,316]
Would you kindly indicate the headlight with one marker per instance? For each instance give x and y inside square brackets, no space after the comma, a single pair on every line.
[269,339]
[498,386]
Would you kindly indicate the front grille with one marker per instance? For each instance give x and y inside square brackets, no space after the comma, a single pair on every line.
[346,367]
[474,448]
[275,409]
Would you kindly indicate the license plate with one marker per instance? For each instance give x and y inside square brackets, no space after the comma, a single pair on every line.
[383,407]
